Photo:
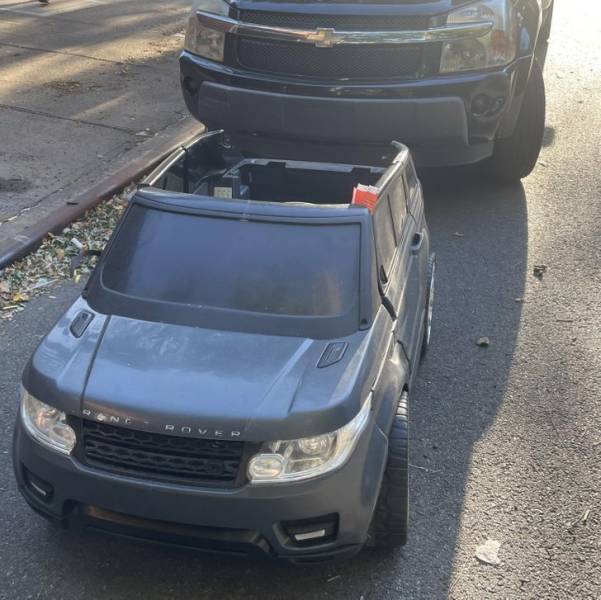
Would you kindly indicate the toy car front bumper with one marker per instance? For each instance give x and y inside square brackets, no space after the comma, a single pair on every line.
[444,119]
[253,520]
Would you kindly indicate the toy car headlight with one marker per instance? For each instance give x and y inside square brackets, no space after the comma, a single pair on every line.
[202,40]
[497,48]
[47,424]
[293,460]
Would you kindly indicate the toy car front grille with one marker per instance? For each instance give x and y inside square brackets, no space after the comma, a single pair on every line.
[162,457]
[340,22]
[360,61]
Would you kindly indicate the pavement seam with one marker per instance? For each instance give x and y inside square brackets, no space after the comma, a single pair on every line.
[42,113]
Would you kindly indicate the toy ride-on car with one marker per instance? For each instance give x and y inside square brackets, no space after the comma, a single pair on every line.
[235,376]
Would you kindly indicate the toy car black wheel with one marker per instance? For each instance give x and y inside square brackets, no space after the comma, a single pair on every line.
[429,304]
[389,525]
[515,157]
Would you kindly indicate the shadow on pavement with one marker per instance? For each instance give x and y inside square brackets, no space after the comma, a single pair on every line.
[480,236]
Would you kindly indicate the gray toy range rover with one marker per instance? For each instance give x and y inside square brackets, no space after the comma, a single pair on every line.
[235,376]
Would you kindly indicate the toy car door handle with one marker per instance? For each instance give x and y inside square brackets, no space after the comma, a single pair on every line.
[418,240]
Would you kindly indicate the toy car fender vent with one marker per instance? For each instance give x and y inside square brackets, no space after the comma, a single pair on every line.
[80,323]
[332,354]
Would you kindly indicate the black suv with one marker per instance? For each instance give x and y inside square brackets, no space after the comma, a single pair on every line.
[459,81]
[236,374]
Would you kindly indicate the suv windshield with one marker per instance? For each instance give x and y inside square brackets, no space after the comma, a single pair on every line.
[234,264]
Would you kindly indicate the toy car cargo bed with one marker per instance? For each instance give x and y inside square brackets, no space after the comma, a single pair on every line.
[210,167]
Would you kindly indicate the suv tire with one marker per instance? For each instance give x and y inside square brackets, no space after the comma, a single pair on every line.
[515,157]
[389,524]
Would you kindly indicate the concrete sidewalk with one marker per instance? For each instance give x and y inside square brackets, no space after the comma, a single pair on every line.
[85,85]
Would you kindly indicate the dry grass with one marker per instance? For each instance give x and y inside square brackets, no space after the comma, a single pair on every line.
[51,262]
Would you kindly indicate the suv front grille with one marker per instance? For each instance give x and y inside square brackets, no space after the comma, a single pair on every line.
[344,61]
[161,457]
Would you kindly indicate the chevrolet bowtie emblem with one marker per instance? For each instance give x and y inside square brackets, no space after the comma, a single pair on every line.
[324,37]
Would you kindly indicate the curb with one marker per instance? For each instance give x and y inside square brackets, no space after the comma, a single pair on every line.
[157,150]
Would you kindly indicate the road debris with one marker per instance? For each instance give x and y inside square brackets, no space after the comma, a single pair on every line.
[483,342]
[459,235]
[539,271]
[425,469]
[582,520]
[488,553]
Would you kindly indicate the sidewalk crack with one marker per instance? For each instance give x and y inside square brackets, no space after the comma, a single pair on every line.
[42,113]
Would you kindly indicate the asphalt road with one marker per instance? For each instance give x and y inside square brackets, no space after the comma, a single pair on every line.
[506,440]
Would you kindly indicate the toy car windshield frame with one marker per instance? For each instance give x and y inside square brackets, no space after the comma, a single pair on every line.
[360,310]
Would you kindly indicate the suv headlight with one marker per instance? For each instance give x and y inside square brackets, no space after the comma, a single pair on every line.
[292,460]
[496,48]
[201,40]
[46,424]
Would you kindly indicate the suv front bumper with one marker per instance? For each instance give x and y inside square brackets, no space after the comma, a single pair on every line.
[252,520]
[435,116]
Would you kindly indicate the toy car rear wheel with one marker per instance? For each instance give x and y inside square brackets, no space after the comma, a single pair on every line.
[429,305]
[515,157]
[389,524]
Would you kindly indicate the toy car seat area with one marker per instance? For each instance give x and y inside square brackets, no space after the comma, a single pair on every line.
[211,165]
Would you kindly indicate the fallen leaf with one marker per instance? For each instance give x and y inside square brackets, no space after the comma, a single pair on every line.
[4,287]
[483,342]
[19,297]
[539,271]
[488,553]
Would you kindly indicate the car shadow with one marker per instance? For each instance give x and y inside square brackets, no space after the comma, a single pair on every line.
[481,239]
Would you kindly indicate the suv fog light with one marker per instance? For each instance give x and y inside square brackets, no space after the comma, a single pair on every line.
[47,424]
[481,104]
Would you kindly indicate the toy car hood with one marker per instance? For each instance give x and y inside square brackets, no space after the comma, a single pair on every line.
[199,382]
